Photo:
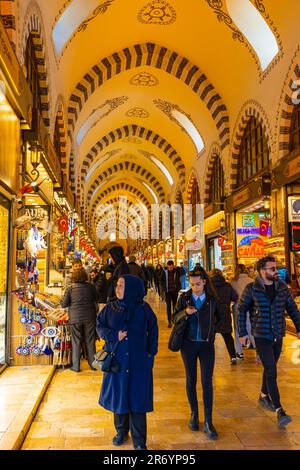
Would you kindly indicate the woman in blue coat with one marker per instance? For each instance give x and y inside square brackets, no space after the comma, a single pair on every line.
[129,393]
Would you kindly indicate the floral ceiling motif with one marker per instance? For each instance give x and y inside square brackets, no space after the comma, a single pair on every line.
[144,79]
[157,12]
[138,113]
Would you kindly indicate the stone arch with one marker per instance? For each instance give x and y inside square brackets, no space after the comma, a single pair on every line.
[33,24]
[215,152]
[289,93]
[132,167]
[123,187]
[139,132]
[8,13]
[149,54]
[251,108]
[191,180]
[60,121]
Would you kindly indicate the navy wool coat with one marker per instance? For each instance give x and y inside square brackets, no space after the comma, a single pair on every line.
[131,389]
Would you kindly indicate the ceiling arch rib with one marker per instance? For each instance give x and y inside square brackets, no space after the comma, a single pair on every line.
[158,57]
[131,168]
[126,132]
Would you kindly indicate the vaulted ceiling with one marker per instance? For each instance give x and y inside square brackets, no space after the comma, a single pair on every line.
[134,74]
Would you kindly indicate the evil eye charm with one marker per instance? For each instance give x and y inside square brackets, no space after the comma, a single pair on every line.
[25,351]
[19,350]
[43,320]
[36,351]
[23,320]
[34,328]
[29,340]
[50,331]
[38,317]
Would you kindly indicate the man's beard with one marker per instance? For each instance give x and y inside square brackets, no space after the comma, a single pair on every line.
[272,277]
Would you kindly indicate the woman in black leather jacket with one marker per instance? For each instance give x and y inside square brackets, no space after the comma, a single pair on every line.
[203,319]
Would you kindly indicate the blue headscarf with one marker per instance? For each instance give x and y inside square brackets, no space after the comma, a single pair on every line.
[134,293]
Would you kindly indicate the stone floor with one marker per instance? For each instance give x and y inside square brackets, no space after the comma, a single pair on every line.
[70,418]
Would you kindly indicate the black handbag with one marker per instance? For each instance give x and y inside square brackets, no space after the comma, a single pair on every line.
[177,333]
[105,360]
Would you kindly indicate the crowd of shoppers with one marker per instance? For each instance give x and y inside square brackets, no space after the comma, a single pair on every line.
[254,305]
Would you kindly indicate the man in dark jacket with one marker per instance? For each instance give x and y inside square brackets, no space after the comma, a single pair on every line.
[135,269]
[121,267]
[226,295]
[267,299]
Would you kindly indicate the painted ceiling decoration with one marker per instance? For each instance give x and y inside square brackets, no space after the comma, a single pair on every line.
[74,18]
[251,25]
[99,113]
[158,57]
[144,79]
[121,187]
[138,113]
[177,115]
[134,131]
[157,12]
[107,156]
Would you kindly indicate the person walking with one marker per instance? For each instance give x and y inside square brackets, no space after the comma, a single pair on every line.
[239,282]
[267,299]
[82,300]
[129,393]
[172,288]
[226,295]
[203,318]
[120,268]
[135,269]
[160,281]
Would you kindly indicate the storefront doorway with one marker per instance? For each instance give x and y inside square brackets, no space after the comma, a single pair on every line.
[4,243]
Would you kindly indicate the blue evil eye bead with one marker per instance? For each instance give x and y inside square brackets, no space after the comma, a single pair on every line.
[25,351]
[23,320]
[29,340]
[36,351]
[43,320]
[19,350]
[50,331]
[20,308]
[38,317]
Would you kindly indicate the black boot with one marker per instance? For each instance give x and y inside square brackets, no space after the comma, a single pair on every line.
[210,430]
[194,421]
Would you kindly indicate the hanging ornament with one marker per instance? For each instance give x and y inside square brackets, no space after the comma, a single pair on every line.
[73,232]
[63,224]
[264,227]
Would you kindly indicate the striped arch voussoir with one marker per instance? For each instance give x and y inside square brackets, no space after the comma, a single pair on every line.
[149,54]
[192,178]
[121,187]
[34,28]
[289,98]
[140,132]
[252,110]
[215,152]
[62,141]
[132,167]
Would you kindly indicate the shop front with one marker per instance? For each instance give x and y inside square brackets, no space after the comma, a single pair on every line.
[155,255]
[216,243]
[15,106]
[169,250]
[255,231]
[180,254]
[195,246]
[161,253]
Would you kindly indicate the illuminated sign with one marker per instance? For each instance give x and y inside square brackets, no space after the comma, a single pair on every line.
[251,231]
[248,220]
[251,247]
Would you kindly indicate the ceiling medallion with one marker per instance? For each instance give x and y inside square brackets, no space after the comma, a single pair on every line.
[111,104]
[132,140]
[144,79]
[168,109]
[224,17]
[157,12]
[138,113]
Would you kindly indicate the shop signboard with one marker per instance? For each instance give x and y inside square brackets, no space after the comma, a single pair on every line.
[251,247]
[251,238]
[295,230]
[248,220]
[294,209]
[288,171]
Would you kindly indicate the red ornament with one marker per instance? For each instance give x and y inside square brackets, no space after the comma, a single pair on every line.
[63,224]
[73,232]
[264,227]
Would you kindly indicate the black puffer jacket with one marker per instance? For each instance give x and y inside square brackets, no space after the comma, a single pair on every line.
[267,320]
[209,317]
[226,295]
[81,298]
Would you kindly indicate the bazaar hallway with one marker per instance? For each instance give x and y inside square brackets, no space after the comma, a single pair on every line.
[70,418]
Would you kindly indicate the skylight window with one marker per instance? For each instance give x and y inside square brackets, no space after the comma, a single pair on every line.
[254,27]
[163,169]
[70,21]
[152,192]
[187,124]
